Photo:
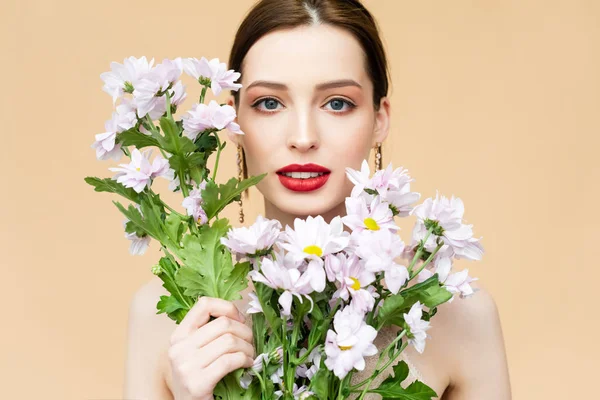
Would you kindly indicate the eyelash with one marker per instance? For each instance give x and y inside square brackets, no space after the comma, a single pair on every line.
[257,102]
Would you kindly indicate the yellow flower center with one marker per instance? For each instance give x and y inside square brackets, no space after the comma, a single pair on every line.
[371,224]
[314,249]
[138,168]
[356,284]
[344,348]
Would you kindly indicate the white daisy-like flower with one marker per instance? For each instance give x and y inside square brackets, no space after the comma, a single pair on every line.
[349,342]
[255,240]
[417,326]
[220,77]
[352,277]
[123,77]
[445,216]
[157,80]
[254,304]
[202,116]
[314,358]
[292,281]
[193,204]
[139,172]
[374,217]
[122,119]
[380,249]
[139,244]
[313,238]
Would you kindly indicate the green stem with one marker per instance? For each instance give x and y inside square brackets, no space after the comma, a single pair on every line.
[168,104]
[155,133]
[377,371]
[202,94]
[428,260]
[419,252]
[219,148]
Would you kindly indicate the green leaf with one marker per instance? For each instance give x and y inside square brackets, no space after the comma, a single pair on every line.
[174,227]
[212,263]
[428,292]
[172,142]
[391,387]
[216,198]
[170,269]
[112,186]
[237,281]
[390,310]
[133,137]
[319,384]
[168,304]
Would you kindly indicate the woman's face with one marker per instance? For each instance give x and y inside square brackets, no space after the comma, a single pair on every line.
[293,119]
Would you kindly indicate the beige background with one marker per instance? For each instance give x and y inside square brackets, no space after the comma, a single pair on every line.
[494,101]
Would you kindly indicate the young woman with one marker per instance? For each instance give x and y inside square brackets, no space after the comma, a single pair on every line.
[315,81]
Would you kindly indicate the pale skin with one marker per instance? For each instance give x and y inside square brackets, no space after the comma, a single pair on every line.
[465,356]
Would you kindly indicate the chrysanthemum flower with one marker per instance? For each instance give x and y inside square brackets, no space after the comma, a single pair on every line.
[417,326]
[349,342]
[220,77]
[314,238]
[255,240]
[292,281]
[373,217]
[193,204]
[139,172]
[445,216]
[380,250]
[202,116]
[458,283]
[123,77]
[122,119]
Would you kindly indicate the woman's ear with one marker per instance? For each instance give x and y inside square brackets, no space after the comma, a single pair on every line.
[382,121]
[234,137]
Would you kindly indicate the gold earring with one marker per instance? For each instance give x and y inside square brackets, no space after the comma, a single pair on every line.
[378,156]
[240,165]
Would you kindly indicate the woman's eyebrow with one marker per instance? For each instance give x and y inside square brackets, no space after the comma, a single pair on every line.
[321,86]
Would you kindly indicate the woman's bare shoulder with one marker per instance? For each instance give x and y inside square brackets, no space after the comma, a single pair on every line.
[148,342]
[470,333]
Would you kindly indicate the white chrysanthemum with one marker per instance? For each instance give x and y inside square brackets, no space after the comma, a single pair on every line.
[292,281]
[352,278]
[193,204]
[123,77]
[445,216]
[139,244]
[122,119]
[417,326]
[257,239]
[349,342]
[139,172]
[157,80]
[202,116]
[375,216]
[220,77]
[314,358]
[314,238]
[380,249]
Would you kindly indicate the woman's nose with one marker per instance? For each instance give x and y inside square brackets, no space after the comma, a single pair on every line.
[304,133]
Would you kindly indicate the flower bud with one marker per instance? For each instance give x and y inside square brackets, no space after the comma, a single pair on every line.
[156,270]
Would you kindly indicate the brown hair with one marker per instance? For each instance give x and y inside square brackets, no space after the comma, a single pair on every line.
[269,15]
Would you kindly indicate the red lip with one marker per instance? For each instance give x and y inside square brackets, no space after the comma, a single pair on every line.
[303,185]
[303,168]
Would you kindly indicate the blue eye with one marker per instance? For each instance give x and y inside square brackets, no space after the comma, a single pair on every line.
[271,104]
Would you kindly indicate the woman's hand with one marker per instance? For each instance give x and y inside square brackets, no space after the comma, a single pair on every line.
[202,352]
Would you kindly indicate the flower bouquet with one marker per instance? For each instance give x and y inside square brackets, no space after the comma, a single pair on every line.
[321,294]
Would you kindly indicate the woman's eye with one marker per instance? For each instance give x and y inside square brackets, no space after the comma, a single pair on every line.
[337,105]
[270,104]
